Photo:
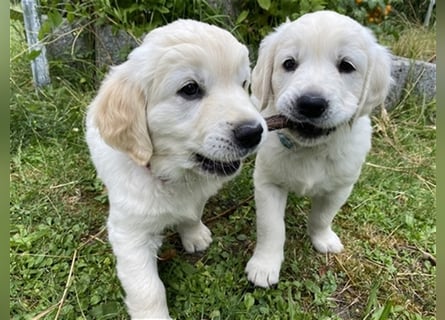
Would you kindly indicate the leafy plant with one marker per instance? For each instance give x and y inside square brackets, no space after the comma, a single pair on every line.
[137,17]
[258,18]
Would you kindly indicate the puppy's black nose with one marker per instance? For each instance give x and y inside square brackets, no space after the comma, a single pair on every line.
[311,105]
[248,134]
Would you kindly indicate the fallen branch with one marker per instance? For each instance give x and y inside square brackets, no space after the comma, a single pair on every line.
[44,313]
[219,216]
[425,255]
[230,210]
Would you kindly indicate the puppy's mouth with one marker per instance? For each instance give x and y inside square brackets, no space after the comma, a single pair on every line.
[216,167]
[308,130]
[303,129]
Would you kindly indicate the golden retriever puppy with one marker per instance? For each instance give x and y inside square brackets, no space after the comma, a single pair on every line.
[167,128]
[323,73]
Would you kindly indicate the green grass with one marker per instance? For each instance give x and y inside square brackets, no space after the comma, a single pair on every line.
[413,41]
[61,265]
[407,36]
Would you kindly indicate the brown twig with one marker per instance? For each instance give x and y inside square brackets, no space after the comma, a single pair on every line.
[219,216]
[277,122]
[45,312]
[93,237]
[432,59]
[425,255]
[67,285]
[230,210]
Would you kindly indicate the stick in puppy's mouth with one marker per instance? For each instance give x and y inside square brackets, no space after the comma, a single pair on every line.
[277,122]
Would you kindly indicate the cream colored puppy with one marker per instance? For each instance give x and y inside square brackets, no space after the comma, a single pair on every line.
[325,73]
[168,127]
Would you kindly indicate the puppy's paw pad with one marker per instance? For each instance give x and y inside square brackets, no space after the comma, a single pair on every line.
[196,239]
[327,241]
[263,272]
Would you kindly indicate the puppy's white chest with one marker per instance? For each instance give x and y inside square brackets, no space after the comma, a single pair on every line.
[313,171]
[306,177]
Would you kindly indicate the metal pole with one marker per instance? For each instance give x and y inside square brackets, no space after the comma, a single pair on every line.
[426,23]
[39,65]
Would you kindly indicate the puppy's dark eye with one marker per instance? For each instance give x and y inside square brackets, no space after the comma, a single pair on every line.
[245,83]
[346,66]
[191,91]
[290,65]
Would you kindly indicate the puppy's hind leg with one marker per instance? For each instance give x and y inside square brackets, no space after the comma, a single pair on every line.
[263,269]
[322,213]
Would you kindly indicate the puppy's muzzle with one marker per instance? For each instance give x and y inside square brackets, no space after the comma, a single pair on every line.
[305,117]
[246,136]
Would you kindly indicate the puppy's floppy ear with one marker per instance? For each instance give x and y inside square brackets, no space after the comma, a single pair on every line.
[120,116]
[378,79]
[262,72]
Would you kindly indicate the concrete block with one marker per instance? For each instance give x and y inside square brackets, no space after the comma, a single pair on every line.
[411,75]
[113,46]
[70,43]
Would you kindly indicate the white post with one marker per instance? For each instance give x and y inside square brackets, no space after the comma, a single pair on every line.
[426,23]
[39,65]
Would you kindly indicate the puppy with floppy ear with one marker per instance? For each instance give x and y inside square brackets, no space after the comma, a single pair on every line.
[322,74]
[167,128]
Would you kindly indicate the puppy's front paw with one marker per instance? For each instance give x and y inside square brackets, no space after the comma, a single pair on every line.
[263,272]
[326,241]
[195,238]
